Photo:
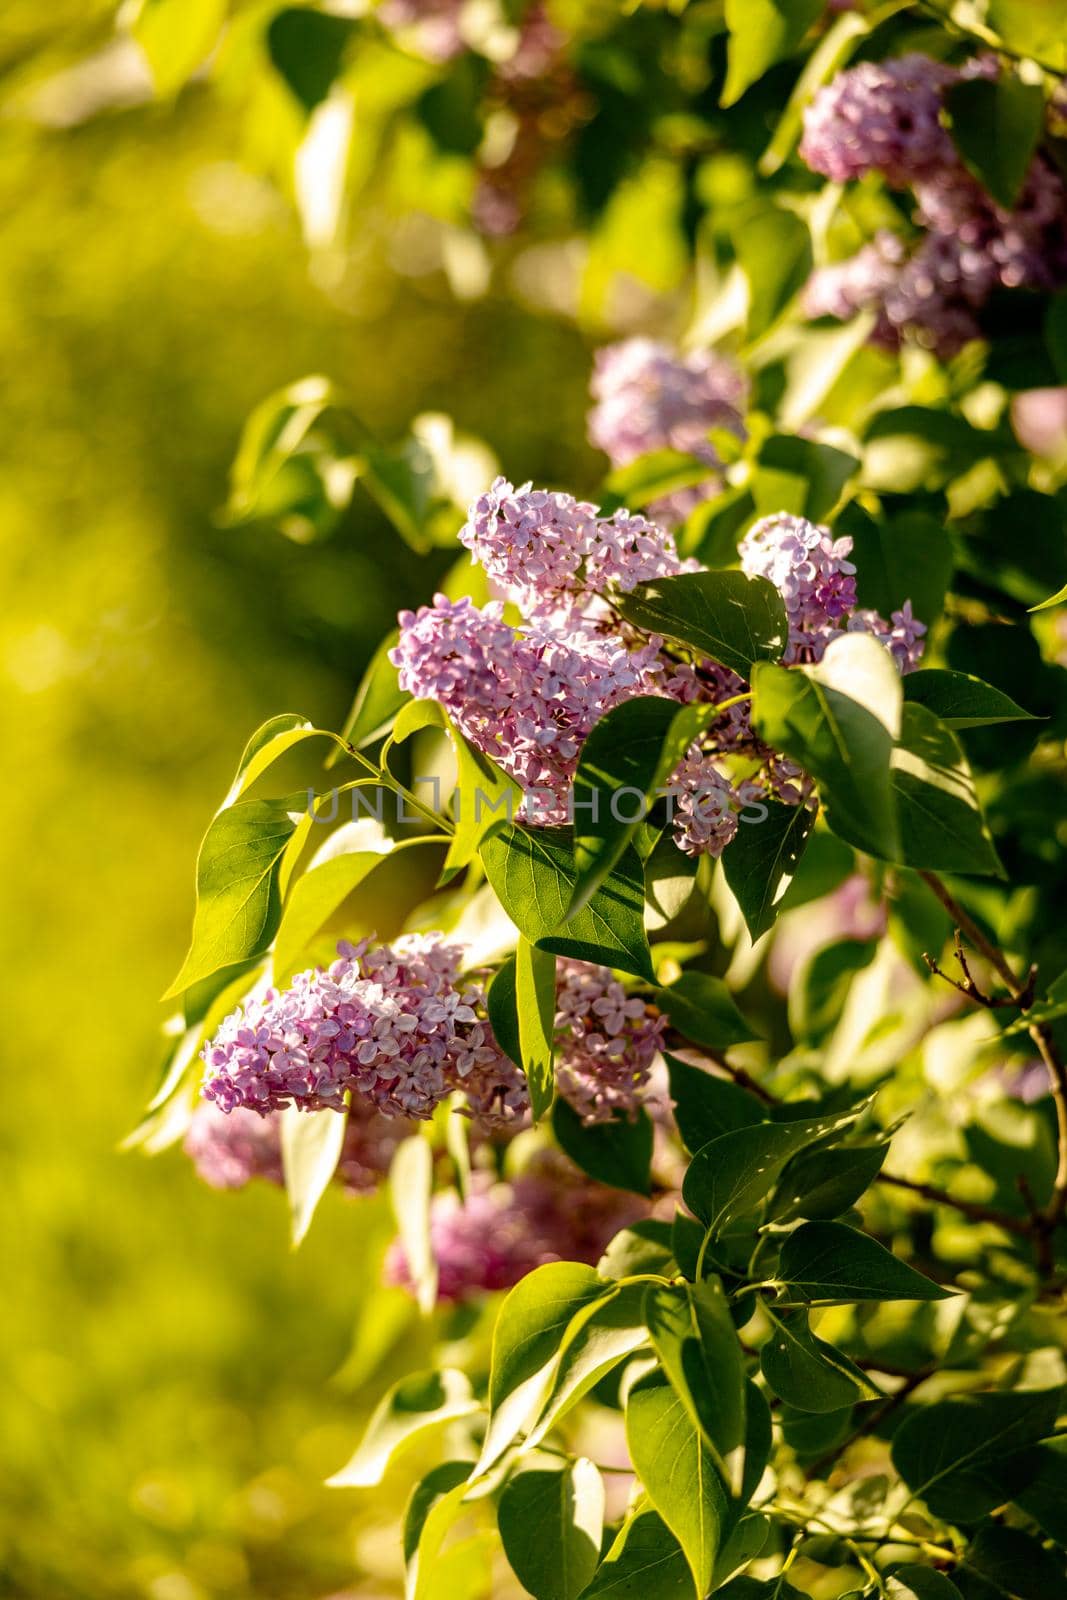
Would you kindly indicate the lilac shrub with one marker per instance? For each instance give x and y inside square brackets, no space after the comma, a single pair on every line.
[888,118]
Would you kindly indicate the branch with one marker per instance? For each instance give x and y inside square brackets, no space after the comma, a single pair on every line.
[969,1208]
[1045,1221]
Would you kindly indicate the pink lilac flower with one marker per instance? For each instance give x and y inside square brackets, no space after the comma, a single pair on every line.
[394,1025]
[606,1042]
[550,1212]
[229,1149]
[705,818]
[527,699]
[812,572]
[545,548]
[649,397]
[885,116]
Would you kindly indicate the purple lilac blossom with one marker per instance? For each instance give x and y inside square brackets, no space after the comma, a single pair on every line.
[650,397]
[545,548]
[431,26]
[550,1212]
[394,1025]
[229,1149]
[606,1042]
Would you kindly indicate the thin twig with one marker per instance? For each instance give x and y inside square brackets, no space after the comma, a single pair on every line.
[969,1208]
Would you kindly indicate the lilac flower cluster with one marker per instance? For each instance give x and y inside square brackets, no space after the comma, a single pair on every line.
[812,572]
[229,1150]
[606,1042]
[550,1212]
[529,697]
[394,1025]
[887,117]
[649,397]
[547,549]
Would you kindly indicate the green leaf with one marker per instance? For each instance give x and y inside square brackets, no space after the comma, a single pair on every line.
[694,1336]
[821,1184]
[910,1582]
[484,800]
[533,873]
[942,827]
[599,1336]
[840,720]
[177,36]
[960,700]
[238,903]
[269,742]
[551,1521]
[706,1106]
[819,989]
[725,616]
[645,1562]
[759,1439]
[526,1342]
[953,1454]
[808,1373]
[670,880]
[644,1247]
[703,1008]
[410,1190]
[996,126]
[1032,28]
[733,1173]
[743,1545]
[828,57]
[800,476]
[762,859]
[678,1473]
[1045,1496]
[761,33]
[345,859]
[311,1148]
[378,700]
[629,755]
[502,1007]
[1057,599]
[418,1403]
[829,1261]
[747,1588]
[1016,1564]
[899,558]
[655,474]
[774,253]
[428,1493]
[535,1003]
[618,1153]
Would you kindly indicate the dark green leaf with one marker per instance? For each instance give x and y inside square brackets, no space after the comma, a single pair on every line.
[806,1372]
[645,1562]
[734,1172]
[535,1000]
[618,1153]
[529,1331]
[800,476]
[759,1439]
[839,720]
[551,1520]
[703,1008]
[706,1106]
[743,1545]
[678,1473]
[502,1006]
[942,827]
[995,127]
[1016,1564]
[821,1184]
[533,873]
[1045,1496]
[829,1261]
[723,615]
[820,988]
[628,756]
[960,700]
[421,1401]
[919,1583]
[951,1454]
[906,557]
[762,859]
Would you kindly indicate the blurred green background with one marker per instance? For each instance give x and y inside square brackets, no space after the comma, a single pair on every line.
[171,1405]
